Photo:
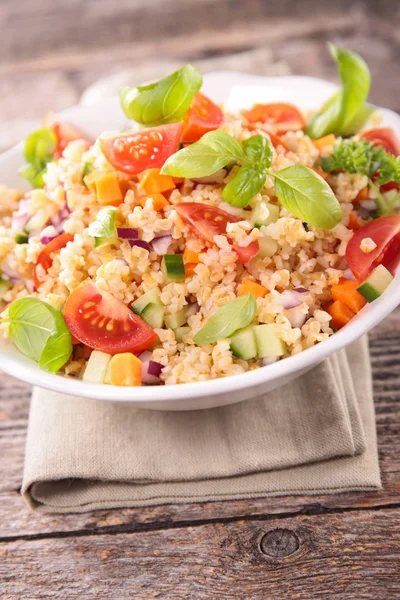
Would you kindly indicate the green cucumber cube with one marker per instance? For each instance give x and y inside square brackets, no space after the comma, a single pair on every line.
[258,212]
[268,246]
[153,314]
[243,343]
[267,341]
[175,320]
[376,283]
[96,367]
[180,332]
[173,267]
[150,297]
[21,238]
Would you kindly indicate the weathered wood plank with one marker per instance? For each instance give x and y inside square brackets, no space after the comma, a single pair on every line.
[16,521]
[349,556]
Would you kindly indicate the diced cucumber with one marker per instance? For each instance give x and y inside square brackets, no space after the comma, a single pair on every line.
[103,241]
[173,267]
[268,246]
[37,221]
[150,297]
[21,238]
[243,343]
[180,332]
[175,320]
[96,367]
[153,314]
[258,213]
[4,287]
[375,284]
[267,341]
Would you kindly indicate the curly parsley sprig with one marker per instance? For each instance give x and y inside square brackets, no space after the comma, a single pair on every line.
[364,158]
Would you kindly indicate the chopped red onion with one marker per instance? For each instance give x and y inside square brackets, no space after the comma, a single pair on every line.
[140,243]
[348,274]
[290,299]
[151,371]
[363,213]
[268,360]
[58,219]
[12,275]
[301,290]
[128,233]
[145,356]
[296,316]
[161,244]
[48,234]
[217,177]
[369,205]
[191,309]
[18,221]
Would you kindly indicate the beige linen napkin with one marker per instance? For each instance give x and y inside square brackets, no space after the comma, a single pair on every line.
[314,435]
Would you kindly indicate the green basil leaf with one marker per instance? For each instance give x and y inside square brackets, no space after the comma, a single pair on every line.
[227,319]
[104,224]
[340,110]
[39,149]
[358,121]
[214,151]
[307,196]
[39,331]
[165,101]
[247,182]
[259,150]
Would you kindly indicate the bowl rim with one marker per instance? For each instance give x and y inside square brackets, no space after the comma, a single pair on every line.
[29,371]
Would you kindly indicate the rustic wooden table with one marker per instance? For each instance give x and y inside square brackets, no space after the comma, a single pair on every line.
[346,546]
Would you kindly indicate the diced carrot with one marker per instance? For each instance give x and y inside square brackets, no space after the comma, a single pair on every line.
[152,182]
[340,313]
[189,269]
[353,221]
[108,190]
[248,286]
[178,180]
[125,369]
[320,172]
[326,140]
[346,292]
[362,195]
[190,257]
[159,201]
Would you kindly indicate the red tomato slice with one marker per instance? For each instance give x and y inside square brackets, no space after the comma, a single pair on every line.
[391,185]
[385,137]
[65,133]
[202,116]
[138,151]
[44,259]
[208,221]
[102,322]
[284,117]
[385,232]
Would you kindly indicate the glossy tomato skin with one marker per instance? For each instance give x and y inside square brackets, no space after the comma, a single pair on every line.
[209,221]
[385,232]
[102,322]
[44,259]
[284,117]
[202,116]
[385,137]
[138,151]
[65,133]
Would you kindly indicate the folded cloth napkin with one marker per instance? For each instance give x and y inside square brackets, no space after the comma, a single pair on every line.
[314,435]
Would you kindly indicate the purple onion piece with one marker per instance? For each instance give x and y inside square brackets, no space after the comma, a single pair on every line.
[128,233]
[60,217]
[348,274]
[145,356]
[12,275]
[191,309]
[290,299]
[296,317]
[369,205]
[301,290]
[48,234]
[140,243]
[18,221]
[151,371]
[161,244]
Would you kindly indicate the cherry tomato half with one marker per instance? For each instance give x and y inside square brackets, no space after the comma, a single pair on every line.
[137,151]
[208,221]
[44,259]
[202,116]
[65,133]
[385,137]
[102,322]
[385,232]
[284,117]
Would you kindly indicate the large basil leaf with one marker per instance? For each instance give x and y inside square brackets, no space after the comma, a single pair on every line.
[39,149]
[259,150]
[343,106]
[165,101]
[214,151]
[307,196]
[39,331]
[247,182]
[227,319]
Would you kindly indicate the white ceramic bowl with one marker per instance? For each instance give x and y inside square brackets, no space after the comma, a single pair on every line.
[236,90]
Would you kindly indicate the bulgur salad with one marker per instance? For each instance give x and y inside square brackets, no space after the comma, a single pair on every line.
[199,244]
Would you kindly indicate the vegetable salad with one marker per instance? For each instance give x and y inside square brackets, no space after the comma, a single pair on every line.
[199,244]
